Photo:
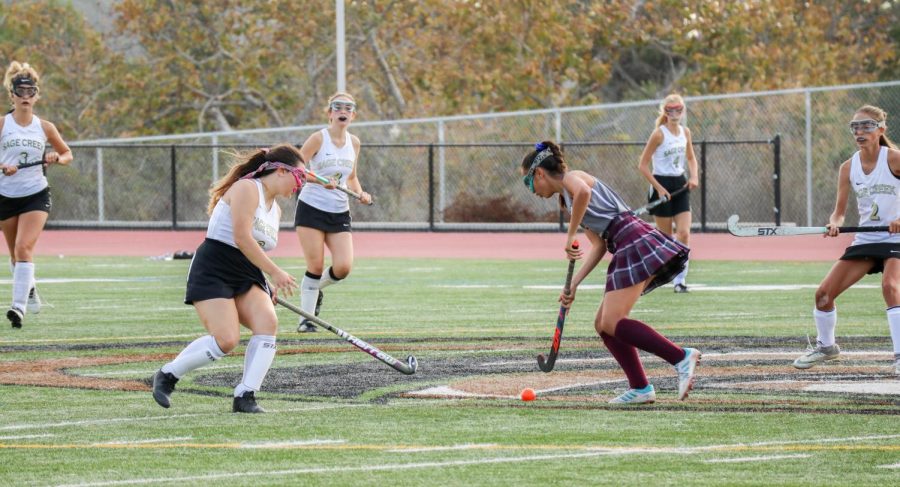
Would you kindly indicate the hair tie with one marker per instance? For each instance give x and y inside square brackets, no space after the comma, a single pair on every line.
[540,146]
[265,150]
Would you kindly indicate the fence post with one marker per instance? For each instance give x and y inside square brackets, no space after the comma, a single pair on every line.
[101,215]
[703,186]
[431,187]
[776,178]
[173,160]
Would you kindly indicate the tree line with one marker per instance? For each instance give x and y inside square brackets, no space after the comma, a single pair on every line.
[165,66]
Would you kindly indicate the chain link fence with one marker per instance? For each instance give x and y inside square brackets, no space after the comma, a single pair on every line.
[417,186]
[451,172]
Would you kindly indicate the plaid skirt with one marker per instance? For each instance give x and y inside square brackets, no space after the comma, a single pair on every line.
[639,252]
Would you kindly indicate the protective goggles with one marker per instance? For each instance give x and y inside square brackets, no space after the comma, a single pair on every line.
[865,126]
[297,171]
[673,109]
[528,179]
[24,87]
[342,106]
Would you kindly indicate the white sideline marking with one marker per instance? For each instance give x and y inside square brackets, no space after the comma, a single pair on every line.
[364,468]
[756,459]
[466,446]
[139,419]
[705,288]
[706,356]
[149,440]
[894,465]
[288,444]
[889,387]
[150,371]
[25,437]
[60,280]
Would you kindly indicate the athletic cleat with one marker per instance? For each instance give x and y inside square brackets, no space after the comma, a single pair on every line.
[246,403]
[319,302]
[685,370]
[163,386]
[646,395]
[34,302]
[681,288]
[306,326]
[15,316]
[817,355]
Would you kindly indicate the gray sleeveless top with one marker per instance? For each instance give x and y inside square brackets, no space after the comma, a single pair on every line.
[602,208]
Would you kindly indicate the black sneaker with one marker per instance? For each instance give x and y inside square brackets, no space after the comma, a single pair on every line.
[306,326]
[246,403]
[319,302]
[681,288]
[15,316]
[163,385]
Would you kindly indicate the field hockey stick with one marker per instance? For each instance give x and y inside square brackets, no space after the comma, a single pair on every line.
[546,364]
[342,188]
[409,367]
[653,204]
[30,164]
[779,231]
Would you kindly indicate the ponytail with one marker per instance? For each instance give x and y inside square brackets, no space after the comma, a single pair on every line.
[251,162]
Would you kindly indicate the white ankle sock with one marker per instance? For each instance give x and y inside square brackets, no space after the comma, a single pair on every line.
[198,353]
[23,277]
[826,321]
[893,315]
[257,360]
[309,293]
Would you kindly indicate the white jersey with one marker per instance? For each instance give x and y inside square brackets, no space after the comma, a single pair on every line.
[878,198]
[669,157]
[330,162]
[265,222]
[20,145]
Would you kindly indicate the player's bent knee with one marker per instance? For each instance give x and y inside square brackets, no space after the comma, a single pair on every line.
[228,342]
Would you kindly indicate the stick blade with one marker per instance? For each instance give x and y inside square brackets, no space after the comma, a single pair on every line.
[546,365]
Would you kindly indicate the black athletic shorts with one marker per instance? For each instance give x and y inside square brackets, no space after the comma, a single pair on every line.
[219,270]
[875,252]
[679,204]
[312,217]
[40,201]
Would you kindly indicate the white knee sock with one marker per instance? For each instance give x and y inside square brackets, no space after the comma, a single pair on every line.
[893,315]
[23,277]
[309,293]
[198,353]
[682,276]
[257,360]
[826,321]
[328,278]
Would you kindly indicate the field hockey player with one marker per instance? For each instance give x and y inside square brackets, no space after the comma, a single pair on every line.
[24,190]
[322,218]
[643,258]
[873,174]
[225,282]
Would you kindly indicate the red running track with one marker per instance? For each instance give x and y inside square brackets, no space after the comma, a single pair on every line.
[710,246]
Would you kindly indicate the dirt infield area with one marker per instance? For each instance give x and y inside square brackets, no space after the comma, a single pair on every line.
[475,245]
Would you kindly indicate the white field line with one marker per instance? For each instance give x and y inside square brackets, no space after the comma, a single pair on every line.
[706,355]
[467,446]
[894,465]
[147,441]
[25,437]
[150,371]
[289,444]
[592,452]
[140,419]
[765,458]
[54,280]
[363,468]
[694,287]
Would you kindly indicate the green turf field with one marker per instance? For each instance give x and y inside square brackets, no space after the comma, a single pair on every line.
[75,408]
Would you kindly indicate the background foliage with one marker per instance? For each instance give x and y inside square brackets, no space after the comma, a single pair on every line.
[168,67]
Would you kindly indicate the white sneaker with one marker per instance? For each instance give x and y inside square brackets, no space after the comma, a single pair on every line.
[817,355]
[685,370]
[34,302]
[646,395]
